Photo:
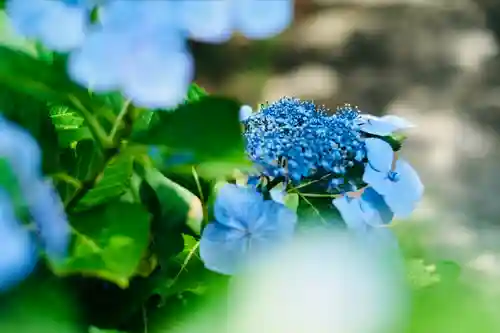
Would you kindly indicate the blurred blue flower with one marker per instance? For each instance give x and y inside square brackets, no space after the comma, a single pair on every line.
[139,47]
[48,213]
[367,216]
[23,155]
[400,187]
[245,226]
[382,126]
[257,19]
[59,25]
[213,21]
[19,252]
[138,51]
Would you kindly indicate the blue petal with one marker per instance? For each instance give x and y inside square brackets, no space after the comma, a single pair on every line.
[19,255]
[127,16]
[277,223]
[406,192]
[43,19]
[99,63]
[238,207]
[373,201]
[378,180]
[245,112]
[222,249]
[207,21]
[48,213]
[383,126]
[380,154]
[278,195]
[350,210]
[158,77]
[21,150]
[258,19]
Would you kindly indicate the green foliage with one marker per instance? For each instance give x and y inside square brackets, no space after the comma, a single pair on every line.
[109,242]
[191,129]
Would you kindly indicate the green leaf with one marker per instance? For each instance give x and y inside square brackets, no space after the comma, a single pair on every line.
[175,210]
[114,181]
[195,93]
[292,201]
[208,128]
[177,204]
[109,242]
[93,329]
[83,161]
[69,126]
[33,116]
[24,73]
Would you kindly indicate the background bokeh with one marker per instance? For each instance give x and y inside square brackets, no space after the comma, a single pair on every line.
[435,62]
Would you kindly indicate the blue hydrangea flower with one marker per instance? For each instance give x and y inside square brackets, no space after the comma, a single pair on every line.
[59,25]
[245,226]
[137,51]
[366,216]
[382,126]
[216,25]
[19,253]
[306,137]
[401,188]
[48,213]
[255,19]
[24,156]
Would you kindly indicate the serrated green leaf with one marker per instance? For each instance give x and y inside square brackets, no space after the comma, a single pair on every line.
[208,128]
[69,126]
[109,242]
[114,182]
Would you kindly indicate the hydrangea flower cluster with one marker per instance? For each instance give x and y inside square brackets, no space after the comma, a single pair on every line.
[298,143]
[22,155]
[139,47]
[303,135]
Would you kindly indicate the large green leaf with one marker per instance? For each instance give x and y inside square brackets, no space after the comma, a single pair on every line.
[177,204]
[109,242]
[208,128]
[24,73]
[81,163]
[175,210]
[114,182]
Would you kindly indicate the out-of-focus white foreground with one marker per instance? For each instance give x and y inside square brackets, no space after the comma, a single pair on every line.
[323,282]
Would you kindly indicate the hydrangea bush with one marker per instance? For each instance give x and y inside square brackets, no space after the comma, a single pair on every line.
[128,187]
